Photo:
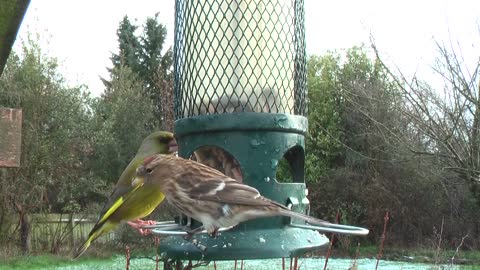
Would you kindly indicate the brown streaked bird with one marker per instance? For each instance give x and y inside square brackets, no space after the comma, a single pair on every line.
[209,196]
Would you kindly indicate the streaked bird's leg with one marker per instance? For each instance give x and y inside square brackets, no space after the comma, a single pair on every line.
[190,233]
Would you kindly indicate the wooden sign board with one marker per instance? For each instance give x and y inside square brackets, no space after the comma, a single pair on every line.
[10,137]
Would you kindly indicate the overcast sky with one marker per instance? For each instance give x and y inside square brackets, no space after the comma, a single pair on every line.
[82,34]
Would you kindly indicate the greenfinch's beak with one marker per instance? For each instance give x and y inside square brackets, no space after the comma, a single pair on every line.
[137,181]
[172,146]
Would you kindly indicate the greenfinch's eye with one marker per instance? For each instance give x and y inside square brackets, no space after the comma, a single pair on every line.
[165,139]
[149,170]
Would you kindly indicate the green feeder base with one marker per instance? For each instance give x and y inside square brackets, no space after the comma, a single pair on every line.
[237,244]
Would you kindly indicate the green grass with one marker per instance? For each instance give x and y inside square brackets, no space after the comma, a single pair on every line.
[118,262]
[420,255]
[101,259]
[470,267]
[94,258]
[49,262]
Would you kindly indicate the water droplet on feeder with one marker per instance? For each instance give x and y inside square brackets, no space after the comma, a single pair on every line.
[274,163]
[280,118]
[267,179]
[255,143]
[202,247]
[283,247]
[261,240]
[229,244]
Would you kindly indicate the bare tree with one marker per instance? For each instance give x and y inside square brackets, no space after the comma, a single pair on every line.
[446,120]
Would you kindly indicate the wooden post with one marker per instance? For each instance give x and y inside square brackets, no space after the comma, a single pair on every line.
[10,137]
[71,226]
[25,237]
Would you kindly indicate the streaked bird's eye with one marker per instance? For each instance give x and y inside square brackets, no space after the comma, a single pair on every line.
[149,170]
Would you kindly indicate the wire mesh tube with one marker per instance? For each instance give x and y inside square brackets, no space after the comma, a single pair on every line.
[239,56]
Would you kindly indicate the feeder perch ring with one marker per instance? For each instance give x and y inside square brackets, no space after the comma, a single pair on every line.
[333,228]
[173,228]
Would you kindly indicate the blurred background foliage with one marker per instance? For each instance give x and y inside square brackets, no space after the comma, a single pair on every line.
[376,141]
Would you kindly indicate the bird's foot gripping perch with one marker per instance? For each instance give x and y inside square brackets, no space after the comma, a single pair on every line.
[173,228]
[142,226]
[191,233]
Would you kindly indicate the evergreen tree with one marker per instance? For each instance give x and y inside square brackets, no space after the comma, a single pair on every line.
[143,55]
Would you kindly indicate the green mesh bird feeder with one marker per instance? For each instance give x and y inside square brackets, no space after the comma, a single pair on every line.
[240,96]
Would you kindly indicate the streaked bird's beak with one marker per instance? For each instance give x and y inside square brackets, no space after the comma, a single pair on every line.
[172,146]
[137,181]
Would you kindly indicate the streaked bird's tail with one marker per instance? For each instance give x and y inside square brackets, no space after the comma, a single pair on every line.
[308,219]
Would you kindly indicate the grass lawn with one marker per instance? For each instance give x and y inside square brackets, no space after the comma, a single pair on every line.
[396,259]
[50,262]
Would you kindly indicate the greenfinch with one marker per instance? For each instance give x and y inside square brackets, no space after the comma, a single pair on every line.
[131,202]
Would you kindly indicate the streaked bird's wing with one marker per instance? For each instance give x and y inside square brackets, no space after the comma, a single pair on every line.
[226,191]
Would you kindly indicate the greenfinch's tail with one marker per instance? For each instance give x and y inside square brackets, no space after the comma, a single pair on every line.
[105,224]
[83,248]
[97,231]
